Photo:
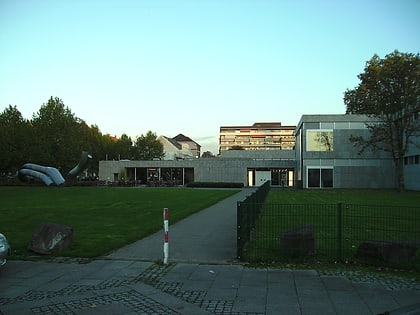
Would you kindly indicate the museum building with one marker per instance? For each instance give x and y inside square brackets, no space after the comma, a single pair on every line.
[323,157]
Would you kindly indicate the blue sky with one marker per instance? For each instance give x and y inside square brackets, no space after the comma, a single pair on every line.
[192,66]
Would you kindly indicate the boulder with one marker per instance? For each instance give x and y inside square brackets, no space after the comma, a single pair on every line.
[50,238]
[299,241]
[388,251]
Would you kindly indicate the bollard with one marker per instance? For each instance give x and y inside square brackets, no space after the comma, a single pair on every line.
[166,235]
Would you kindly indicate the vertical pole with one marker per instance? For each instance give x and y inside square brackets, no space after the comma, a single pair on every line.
[340,231]
[166,237]
[238,230]
[183,176]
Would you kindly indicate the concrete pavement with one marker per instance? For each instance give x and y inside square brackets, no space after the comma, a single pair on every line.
[130,281]
[138,287]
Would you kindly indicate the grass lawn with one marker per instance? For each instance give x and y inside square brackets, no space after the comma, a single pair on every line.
[352,196]
[103,218]
[367,214]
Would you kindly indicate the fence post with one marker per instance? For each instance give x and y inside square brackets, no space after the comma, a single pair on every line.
[340,231]
[238,230]
[166,235]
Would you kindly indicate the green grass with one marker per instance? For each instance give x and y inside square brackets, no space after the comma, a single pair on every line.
[103,218]
[352,196]
[367,214]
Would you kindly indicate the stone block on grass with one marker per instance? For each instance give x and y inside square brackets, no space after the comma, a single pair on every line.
[388,251]
[298,241]
[50,238]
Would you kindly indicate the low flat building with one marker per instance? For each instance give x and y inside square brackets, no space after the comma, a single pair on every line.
[246,170]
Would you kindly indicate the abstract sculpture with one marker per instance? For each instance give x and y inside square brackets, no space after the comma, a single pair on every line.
[4,249]
[50,175]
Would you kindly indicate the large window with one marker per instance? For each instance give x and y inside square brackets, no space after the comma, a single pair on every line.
[319,140]
[320,177]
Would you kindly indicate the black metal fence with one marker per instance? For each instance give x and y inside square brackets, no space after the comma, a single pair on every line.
[389,235]
[248,212]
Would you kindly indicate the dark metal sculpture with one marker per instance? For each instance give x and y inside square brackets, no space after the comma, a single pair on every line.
[4,249]
[50,175]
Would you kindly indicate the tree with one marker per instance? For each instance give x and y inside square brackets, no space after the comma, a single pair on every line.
[389,93]
[124,147]
[109,147]
[147,147]
[15,139]
[58,135]
[207,154]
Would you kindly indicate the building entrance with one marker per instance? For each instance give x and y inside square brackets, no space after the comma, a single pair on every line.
[283,177]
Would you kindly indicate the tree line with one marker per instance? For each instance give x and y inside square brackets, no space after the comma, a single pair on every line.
[56,137]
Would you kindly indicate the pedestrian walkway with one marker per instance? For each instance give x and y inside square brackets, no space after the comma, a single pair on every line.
[139,287]
[208,236]
[132,281]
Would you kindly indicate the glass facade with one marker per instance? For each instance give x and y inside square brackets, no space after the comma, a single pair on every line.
[320,177]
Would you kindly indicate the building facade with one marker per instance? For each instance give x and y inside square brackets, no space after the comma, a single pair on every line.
[193,146]
[259,136]
[248,171]
[175,150]
[412,166]
[324,157]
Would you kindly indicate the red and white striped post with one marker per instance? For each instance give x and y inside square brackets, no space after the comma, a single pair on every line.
[166,237]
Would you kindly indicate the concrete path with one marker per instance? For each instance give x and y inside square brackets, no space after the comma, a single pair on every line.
[128,281]
[208,236]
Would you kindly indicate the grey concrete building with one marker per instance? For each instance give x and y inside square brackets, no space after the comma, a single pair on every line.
[244,167]
[324,157]
[412,166]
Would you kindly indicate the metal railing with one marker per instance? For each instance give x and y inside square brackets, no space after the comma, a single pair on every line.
[248,212]
[340,232]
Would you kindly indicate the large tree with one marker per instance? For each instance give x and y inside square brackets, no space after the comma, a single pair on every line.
[147,147]
[389,93]
[59,135]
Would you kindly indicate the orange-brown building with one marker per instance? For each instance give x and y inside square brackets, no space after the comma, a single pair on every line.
[259,136]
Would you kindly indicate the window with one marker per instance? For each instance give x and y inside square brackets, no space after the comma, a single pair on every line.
[412,159]
[320,177]
[313,177]
[319,140]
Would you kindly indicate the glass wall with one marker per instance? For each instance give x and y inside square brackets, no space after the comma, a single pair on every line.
[320,177]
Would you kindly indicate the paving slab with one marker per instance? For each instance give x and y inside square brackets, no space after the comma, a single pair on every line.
[133,287]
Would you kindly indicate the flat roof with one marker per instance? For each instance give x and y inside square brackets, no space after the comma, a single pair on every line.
[331,118]
[261,125]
